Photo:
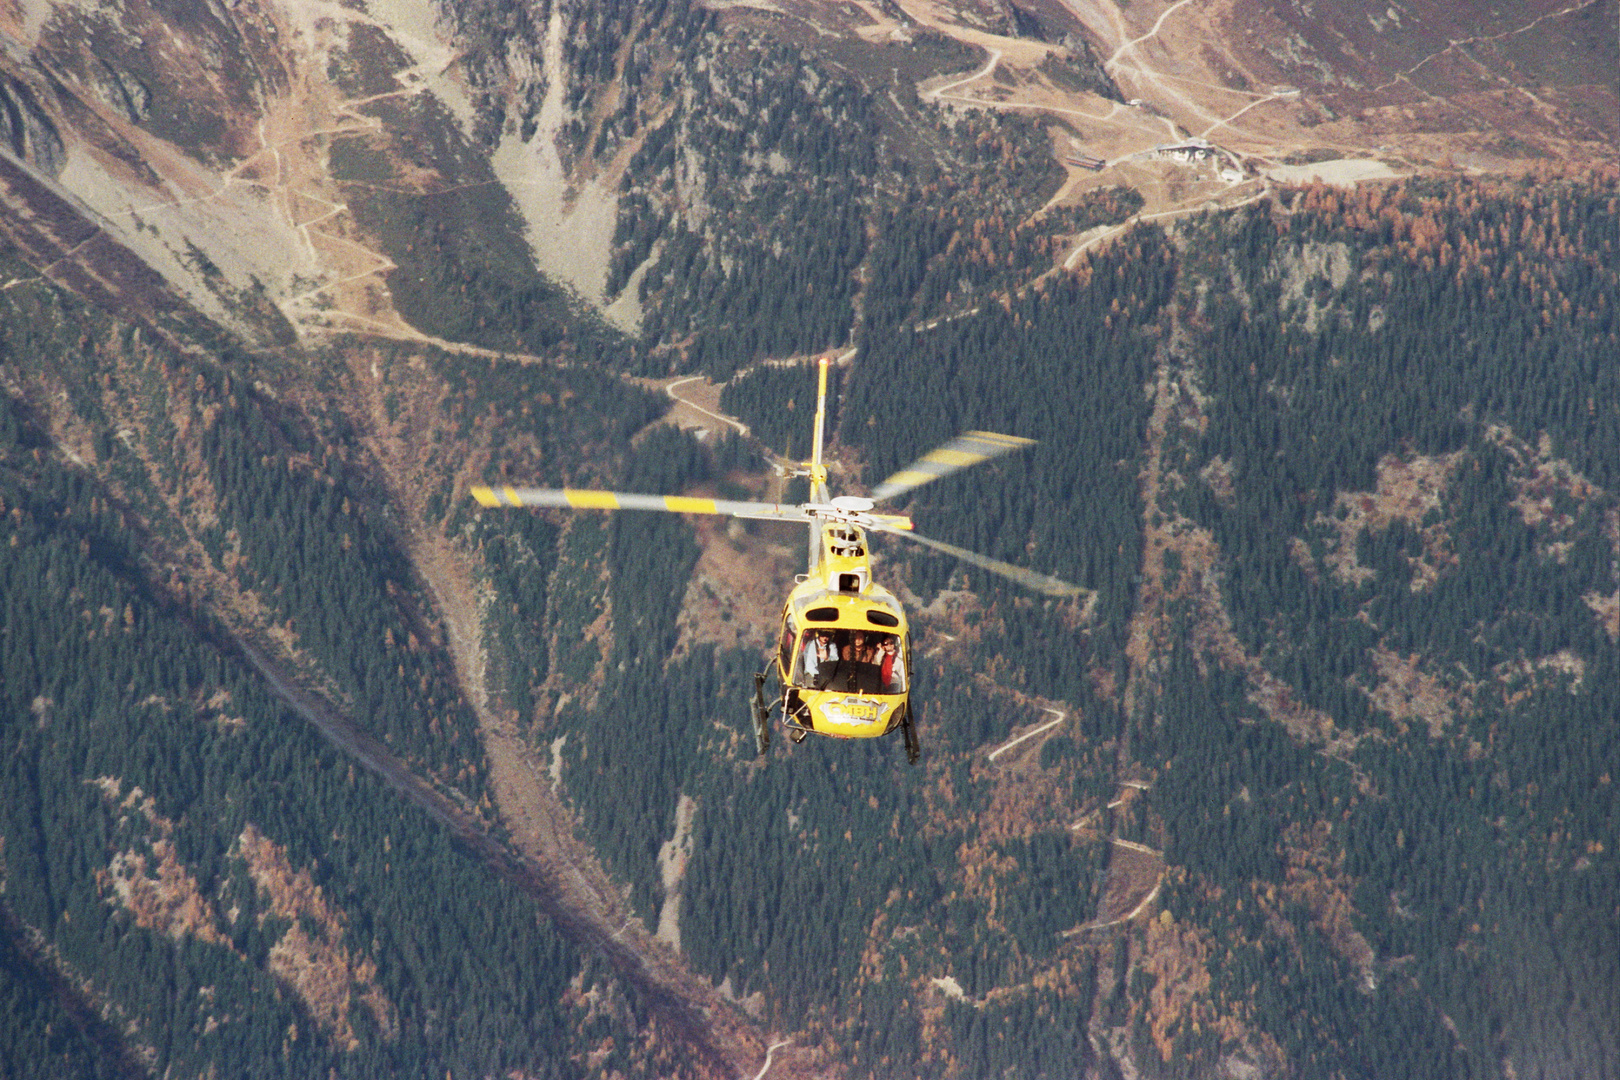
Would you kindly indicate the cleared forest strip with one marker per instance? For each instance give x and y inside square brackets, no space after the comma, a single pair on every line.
[675,997]
[576,890]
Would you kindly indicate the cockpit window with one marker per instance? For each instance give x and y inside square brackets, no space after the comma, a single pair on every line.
[857,661]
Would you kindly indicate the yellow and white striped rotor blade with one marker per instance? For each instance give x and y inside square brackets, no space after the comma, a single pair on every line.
[1041,583]
[581,499]
[959,453]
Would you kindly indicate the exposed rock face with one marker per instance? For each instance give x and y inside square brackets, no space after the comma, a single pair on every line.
[27,128]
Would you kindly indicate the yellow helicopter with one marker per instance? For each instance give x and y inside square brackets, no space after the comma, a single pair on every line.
[843,660]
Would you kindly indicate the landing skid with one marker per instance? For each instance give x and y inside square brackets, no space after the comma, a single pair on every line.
[792,712]
[909,731]
[762,716]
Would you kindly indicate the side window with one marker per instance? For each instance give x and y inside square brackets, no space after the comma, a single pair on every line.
[790,633]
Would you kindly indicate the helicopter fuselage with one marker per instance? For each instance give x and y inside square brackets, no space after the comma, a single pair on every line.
[844,655]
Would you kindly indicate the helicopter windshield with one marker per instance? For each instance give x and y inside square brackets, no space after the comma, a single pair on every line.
[859,661]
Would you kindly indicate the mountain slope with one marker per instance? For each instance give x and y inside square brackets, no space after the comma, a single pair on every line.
[1314,779]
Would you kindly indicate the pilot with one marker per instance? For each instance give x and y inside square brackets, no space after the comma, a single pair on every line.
[817,651]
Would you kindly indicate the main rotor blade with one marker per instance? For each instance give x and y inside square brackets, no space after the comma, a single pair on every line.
[1051,586]
[578,499]
[959,453]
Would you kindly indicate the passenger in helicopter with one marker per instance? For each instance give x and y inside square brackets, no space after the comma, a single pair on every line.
[863,649]
[891,673]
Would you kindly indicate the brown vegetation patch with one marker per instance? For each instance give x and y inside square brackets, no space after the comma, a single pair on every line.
[310,958]
[1523,677]
[673,856]
[1218,475]
[1025,800]
[1315,878]
[1408,693]
[161,893]
[1408,489]
[1545,488]
[1607,610]
[1177,956]
[154,886]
